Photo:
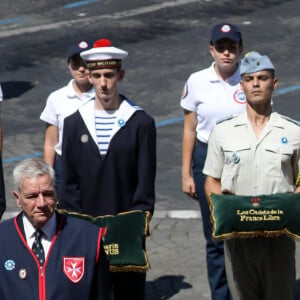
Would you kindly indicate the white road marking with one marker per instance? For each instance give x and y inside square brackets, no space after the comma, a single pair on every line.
[114,16]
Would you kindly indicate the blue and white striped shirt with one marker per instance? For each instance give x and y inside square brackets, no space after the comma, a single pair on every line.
[104,123]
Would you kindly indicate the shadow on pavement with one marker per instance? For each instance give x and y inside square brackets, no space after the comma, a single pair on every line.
[14,89]
[165,287]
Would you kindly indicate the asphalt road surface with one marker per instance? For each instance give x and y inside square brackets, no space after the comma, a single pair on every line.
[166,41]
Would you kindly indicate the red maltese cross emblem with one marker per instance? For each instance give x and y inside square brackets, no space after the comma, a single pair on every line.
[74,268]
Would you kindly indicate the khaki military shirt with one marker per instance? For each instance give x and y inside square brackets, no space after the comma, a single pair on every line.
[247,165]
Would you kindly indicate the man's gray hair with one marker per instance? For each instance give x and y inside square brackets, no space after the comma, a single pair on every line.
[31,168]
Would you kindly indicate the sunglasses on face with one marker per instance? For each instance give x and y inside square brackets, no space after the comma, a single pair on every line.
[222,47]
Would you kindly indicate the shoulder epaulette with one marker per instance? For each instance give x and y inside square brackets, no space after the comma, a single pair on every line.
[291,120]
[224,119]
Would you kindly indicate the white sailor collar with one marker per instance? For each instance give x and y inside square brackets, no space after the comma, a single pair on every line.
[124,113]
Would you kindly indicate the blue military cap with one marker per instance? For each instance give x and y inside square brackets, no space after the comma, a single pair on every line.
[77,48]
[225,31]
[254,62]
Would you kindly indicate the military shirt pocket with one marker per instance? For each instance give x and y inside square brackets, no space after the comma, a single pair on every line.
[277,158]
[235,156]
[236,153]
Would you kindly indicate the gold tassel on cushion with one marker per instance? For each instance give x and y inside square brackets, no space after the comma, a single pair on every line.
[236,216]
[124,238]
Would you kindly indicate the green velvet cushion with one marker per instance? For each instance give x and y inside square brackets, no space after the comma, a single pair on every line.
[123,239]
[246,216]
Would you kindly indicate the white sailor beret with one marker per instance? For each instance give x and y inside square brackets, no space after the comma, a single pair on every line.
[103,55]
[254,62]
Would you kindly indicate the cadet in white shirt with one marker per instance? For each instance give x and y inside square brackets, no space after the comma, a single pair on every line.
[211,95]
[256,153]
[62,103]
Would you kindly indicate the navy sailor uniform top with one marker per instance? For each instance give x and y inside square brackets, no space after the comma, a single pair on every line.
[123,179]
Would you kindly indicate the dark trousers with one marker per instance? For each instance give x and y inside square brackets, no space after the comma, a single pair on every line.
[57,169]
[2,191]
[128,285]
[214,250]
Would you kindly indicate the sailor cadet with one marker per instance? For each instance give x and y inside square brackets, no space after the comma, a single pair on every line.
[110,161]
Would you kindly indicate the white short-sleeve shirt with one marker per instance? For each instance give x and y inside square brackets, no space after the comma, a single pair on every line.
[62,103]
[212,98]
